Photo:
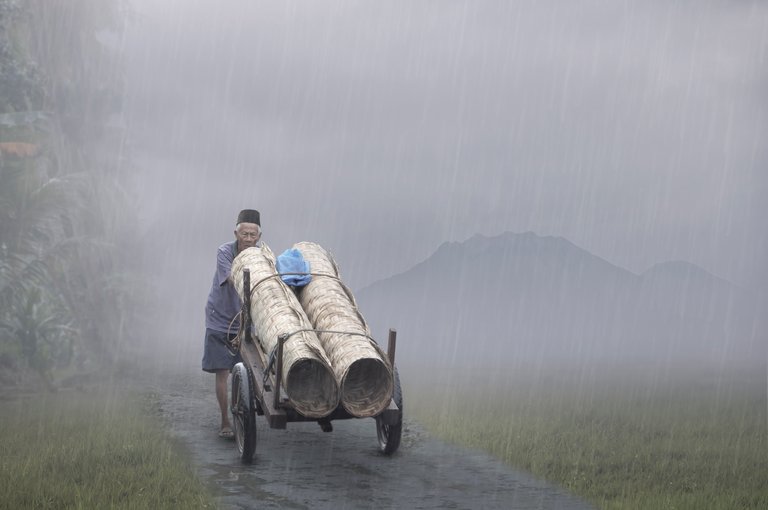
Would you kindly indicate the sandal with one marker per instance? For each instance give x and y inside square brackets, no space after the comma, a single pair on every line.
[226,434]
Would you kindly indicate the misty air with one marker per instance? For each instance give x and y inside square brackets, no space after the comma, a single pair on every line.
[407,254]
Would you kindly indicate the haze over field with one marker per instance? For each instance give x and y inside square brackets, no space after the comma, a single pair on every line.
[635,130]
[521,299]
[560,205]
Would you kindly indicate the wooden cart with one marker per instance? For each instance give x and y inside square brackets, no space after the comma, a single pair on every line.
[256,390]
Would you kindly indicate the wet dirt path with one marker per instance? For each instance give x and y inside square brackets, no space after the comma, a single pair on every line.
[303,467]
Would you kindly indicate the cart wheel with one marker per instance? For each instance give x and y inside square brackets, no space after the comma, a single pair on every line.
[243,413]
[389,435]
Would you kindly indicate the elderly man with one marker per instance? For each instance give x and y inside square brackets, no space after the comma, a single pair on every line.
[221,320]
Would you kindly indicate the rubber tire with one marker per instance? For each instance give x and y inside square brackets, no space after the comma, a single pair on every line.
[389,435]
[243,413]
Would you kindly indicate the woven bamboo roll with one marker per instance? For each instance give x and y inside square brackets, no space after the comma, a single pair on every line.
[308,378]
[362,369]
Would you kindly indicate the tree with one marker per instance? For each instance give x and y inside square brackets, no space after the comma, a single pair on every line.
[66,215]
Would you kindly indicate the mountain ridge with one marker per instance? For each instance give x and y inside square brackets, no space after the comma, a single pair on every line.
[526,296]
[650,271]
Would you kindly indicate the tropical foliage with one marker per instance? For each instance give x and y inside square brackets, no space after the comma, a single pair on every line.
[66,228]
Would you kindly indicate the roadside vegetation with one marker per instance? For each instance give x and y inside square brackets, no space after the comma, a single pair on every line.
[654,439]
[91,450]
[69,282]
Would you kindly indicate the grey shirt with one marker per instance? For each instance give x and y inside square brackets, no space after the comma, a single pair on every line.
[223,301]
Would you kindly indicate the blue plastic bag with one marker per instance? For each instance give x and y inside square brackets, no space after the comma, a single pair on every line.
[292,261]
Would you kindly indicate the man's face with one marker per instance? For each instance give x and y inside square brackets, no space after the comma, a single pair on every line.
[247,235]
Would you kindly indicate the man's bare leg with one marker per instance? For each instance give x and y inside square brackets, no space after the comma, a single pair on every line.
[221,395]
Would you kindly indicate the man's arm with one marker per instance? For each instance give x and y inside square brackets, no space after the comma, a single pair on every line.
[223,264]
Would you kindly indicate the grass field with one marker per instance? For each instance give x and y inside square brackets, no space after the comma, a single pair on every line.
[75,450]
[620,438]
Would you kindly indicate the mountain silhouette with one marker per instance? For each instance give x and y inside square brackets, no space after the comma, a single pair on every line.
[529,297]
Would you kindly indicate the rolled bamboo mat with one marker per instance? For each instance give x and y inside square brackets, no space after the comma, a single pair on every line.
[308,378]
[362,369]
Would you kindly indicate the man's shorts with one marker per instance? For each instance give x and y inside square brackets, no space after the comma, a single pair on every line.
[216,354]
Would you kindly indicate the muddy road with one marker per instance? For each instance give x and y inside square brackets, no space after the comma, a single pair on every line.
[303,467]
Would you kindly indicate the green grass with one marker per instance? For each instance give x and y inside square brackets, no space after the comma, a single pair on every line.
[74,450]
[625,439]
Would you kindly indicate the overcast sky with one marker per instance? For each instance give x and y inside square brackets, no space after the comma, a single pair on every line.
[636,129]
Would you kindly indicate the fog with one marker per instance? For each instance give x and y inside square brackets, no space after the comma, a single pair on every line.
[634,130]
[559,205]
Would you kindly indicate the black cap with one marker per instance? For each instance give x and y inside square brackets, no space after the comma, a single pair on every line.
[248,216]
